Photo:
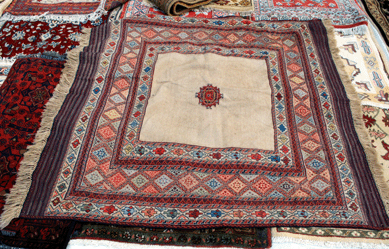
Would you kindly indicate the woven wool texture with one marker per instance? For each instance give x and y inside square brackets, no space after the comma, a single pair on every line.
[103,171]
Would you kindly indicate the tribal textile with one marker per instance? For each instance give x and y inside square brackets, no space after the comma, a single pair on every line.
[363,63]
[211,237]
[29,85]
[30,233]
[132,145]
[341,12]
[25,38]
[67,10]
[378,11]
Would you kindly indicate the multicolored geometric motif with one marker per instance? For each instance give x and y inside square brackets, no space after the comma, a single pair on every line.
[209,96]
[103,171]
[68,7]
[29,85]
[363,63]
[341,12]
[212,237]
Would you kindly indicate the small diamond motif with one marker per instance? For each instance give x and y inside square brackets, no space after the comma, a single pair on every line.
[117,179]
[94,177]
[188,181]
[139,181]
[237,185]
[320,185]
[163,181]
[213,184]
[101,153]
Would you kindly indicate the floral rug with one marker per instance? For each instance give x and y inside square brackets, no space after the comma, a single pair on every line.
[117,154]
[211,237]
[26,38]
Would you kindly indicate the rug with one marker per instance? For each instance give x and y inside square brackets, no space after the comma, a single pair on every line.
[211,237]
[378,11]
[31,233]
[29,85]
[178,7]
[363,63]
[122,158]
[341,12]
[52,234]
[68,10]
[332,237]
[23,97]
[25,38]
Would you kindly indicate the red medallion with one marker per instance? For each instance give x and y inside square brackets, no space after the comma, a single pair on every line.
[209,96]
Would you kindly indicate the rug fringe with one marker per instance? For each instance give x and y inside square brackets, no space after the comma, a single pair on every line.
[66,18]
[356,109]
[18,194]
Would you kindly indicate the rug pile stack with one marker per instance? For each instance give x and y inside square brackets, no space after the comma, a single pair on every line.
[241,124]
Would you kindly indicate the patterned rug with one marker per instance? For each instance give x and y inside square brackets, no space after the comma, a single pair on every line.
[31,233]
[378,10]
[66,10]
[211,237]
[117,154]
[30,84]
[341,12]
[25,38]
[377,123]
[26,80]
[363,63]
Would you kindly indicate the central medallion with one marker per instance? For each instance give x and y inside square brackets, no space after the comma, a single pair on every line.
[209,96]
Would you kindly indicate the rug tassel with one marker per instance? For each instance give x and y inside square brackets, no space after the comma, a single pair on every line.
[18,194]
[356,109]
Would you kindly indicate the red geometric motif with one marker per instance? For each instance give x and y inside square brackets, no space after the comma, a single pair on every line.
[209,96]
[190,177]
[30,84]
[309,3]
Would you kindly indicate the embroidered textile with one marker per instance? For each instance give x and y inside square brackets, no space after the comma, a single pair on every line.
[364,65]
[377,123]
[341,12]
[67,10]
[212,237]
[100,169]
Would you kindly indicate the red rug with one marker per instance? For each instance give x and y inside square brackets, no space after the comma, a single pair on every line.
[26,38]
[82,10]
[118,151]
